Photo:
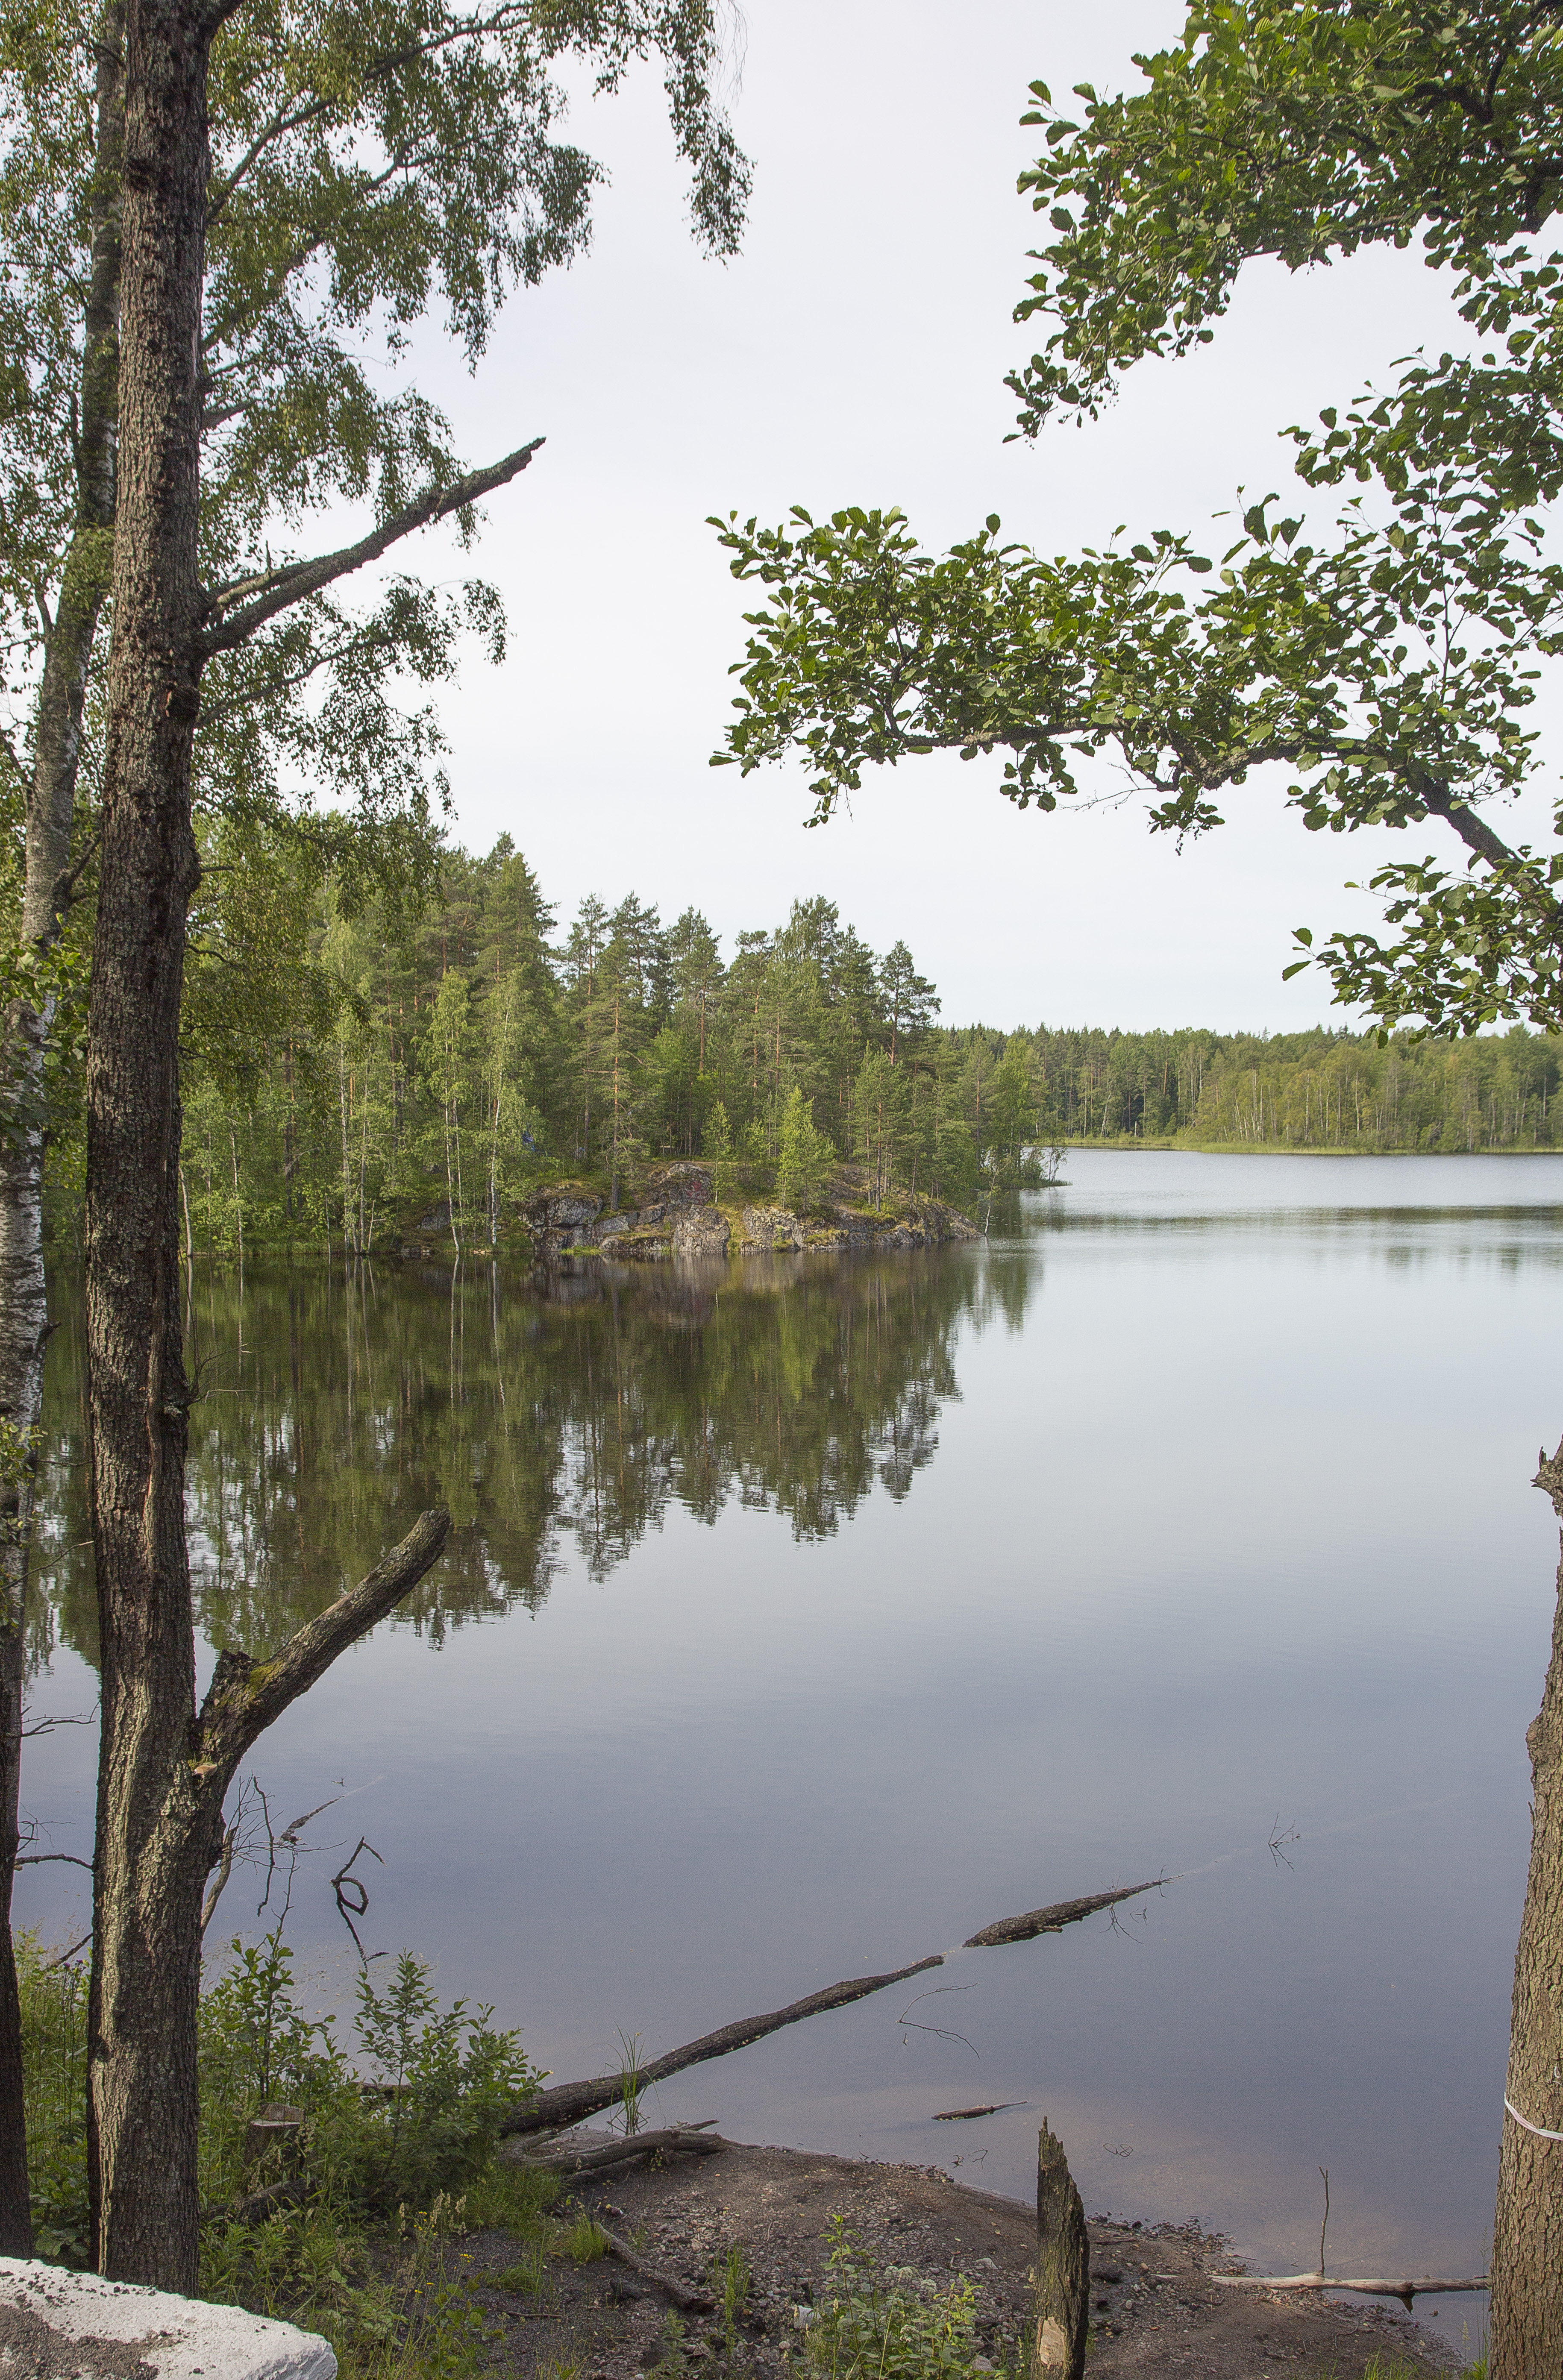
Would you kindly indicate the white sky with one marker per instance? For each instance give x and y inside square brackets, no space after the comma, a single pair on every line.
[855,353]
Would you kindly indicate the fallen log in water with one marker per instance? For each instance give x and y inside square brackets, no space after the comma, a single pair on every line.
[964,2115]
[1054,1919]
[687,2300]
[570,2103]
[1404,2291]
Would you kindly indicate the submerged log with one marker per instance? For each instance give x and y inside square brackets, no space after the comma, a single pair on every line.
[571,2102]
[1063,2261]
[1054,1919]
[1404,2291]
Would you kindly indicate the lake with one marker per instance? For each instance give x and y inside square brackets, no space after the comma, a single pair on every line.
[804,1618]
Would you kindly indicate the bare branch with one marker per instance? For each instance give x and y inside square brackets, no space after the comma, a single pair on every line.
[245,1697]
[292,584]
[225,1869]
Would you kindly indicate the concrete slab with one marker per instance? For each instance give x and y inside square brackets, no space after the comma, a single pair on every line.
[60,2326]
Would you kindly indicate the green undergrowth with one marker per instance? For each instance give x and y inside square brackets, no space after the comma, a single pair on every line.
[395,2166]
[890,2323]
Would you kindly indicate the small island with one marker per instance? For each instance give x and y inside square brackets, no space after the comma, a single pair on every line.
[687,1211]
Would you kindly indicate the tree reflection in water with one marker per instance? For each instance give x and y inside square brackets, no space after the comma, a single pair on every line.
[547,1414]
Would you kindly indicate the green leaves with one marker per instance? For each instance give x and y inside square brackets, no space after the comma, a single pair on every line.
[1298,133]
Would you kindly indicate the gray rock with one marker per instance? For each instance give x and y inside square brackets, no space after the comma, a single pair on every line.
[771,1227]
[701,1233]
[59,2326]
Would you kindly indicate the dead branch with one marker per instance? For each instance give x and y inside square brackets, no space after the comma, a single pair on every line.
[687,2300]
[261,597]
[571,2102]
[964,2115]
[677,2139]
[225,1869]
[246,1696]
[1404,2291]
[1054,1920]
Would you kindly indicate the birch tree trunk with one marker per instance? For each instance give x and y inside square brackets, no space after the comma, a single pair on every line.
[24,1326]
[1527,2301]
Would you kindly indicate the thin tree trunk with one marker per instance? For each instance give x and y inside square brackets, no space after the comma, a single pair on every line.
[347,1163]
[1527,2303]
[24,1326]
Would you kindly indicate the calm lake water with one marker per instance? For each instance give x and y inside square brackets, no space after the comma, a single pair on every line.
[804,1619]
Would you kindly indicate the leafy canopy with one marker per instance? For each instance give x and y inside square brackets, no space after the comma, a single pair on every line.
[1391,664]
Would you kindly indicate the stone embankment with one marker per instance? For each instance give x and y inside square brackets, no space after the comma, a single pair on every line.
[677,1216]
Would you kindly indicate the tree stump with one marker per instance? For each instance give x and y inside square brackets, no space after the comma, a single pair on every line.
[272,2127]
[1063,2266]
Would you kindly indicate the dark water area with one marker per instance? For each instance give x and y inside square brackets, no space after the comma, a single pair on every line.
[803,1618]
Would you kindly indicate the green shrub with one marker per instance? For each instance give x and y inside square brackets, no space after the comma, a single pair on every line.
[891,2325]
[53,2032]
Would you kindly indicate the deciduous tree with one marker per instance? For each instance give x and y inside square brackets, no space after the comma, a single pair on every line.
[1388,665]
[340,126]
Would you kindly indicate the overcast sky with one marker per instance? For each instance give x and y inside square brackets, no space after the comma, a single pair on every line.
[856,353]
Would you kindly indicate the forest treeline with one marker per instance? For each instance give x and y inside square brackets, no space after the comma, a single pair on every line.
[357,1065]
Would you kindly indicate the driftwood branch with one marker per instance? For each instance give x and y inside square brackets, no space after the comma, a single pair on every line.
[1404,2291]
[1053,1920]
[245,1697]
[602,2156]
[687,2300]
[570,2103]
[261,597]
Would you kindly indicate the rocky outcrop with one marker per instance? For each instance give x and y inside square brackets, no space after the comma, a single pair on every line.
[677,1219]
[922,1222]
[703,1233]
[771,1227]
[559,1220]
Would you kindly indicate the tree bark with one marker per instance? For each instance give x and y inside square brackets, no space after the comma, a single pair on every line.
[1063,2265]
[158,1832]
[1527,2301]
[24,1326]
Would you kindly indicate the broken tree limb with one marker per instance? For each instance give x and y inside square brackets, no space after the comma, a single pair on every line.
[598,2156]
[1053,1920]
[1404,2291]
[687,2300]
[571,2102]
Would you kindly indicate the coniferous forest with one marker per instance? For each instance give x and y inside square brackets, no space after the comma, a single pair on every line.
[355,1063]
